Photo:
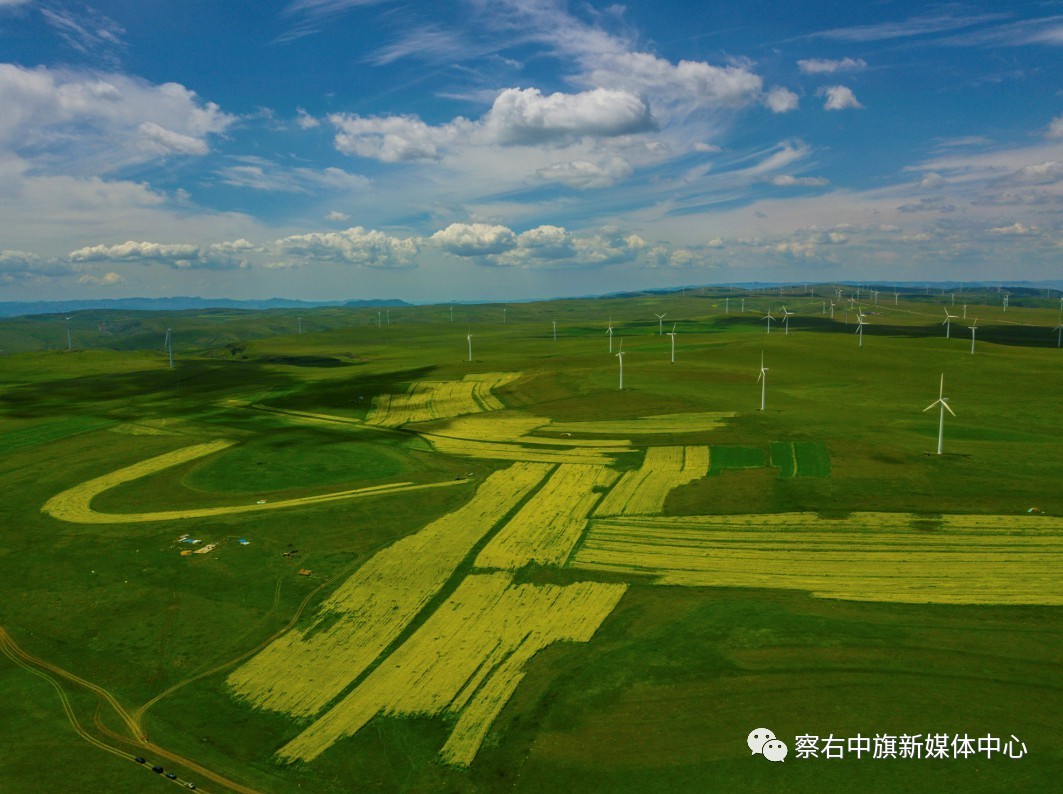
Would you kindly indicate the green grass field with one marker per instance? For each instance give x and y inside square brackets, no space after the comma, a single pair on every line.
[663,695]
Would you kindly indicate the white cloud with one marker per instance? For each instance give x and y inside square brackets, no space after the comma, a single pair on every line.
[826,66]
[1055,128]
[21,266]
[787,180]
[715,242]
[337,217]
[259,174]
[1045,173]
[393,139]
[305,121]
[527,117]
[686,83]
[706,147]
[106,280]
[179,256]
[97,122]
[781,100]
[839,98]
[475,239]
[932,181]
[356,246]
[582,174]
[1016,230]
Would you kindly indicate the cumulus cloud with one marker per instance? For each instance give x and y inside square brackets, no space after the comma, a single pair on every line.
[781,100]
[787,180]
[931,180]
[839,98]
[393,139]
[106,280]
[582,174]
[1015,230]
[101,120]
[827,66]
[687,82]
[930,204]
[526,116]
[1046,173]
[356,246]
[21,266]
[475,239]
[304,120]
[337,217]
[179,256]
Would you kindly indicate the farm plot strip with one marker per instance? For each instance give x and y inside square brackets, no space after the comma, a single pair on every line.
[866,557]
[303,670]
[660,423]
[643,491]
[74,504]
[465,661]
[428,400]
[549,525]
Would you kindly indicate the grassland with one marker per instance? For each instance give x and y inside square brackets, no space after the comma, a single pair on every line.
[828,573]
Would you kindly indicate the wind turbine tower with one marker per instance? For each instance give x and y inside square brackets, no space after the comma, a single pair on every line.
[555,329]
[944,403]
[672,334]
[762,379]
[769,318]
[299,325]
[609,331]
[620,358]
[948,323]
[660,322]
[69,342]
[973,329]
[786,319]
[469,337]
[169,346]
[860,323]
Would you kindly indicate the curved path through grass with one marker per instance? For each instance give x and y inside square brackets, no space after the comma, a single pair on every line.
[74,504]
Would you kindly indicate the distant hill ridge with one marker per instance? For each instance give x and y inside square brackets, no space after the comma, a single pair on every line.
[18,309]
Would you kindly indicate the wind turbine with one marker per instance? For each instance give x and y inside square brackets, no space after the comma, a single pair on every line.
[660,322]
[620,358]
[786,319]
[726,305]
[944,402]
[860,325]
[503,315]
[469,337]
[298,319]
[388,312]
[973,329]
[555,329]
[965,311]
[832,310]
[743,305]
[378,319]
[896,298]
[452,314]
[1059,330]
[1005,301]
[672,334]
[169,346]
[948,322]
[609,331]
[769,318]
[69,343]
[762,379]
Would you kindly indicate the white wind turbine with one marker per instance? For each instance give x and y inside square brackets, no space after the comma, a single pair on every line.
[726,305]
[832,310]
[769,318]
[299,324]
[1005,301]
[1059,332]
[973,329]
[965,311]
[896,298]
[660,322]
[620,358]
[169,346]
[948,323]
[609,331]
[860,323]
[672,334]
[786,319]
[943,401]
[69,342]
[469,337]
[555,329]
[762,379]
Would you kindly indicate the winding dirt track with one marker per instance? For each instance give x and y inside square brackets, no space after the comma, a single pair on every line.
[51,673]
[74,504]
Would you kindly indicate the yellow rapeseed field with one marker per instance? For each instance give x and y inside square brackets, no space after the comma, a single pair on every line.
[301,671]
[643,491]
[465,661]
[429,400]
[898,557]
[75,504]
[549,525]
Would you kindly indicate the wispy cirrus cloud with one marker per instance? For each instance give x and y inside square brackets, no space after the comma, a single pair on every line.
[827,66]
[921,25]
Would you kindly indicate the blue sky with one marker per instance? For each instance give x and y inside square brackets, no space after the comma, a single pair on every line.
[504,149]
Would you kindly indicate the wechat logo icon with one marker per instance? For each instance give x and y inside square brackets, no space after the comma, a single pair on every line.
[763,742]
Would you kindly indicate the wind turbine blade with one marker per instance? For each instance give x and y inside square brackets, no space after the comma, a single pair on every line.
[947,408]
[931,406]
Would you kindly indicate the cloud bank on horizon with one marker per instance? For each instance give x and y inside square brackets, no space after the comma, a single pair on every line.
[523,148]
